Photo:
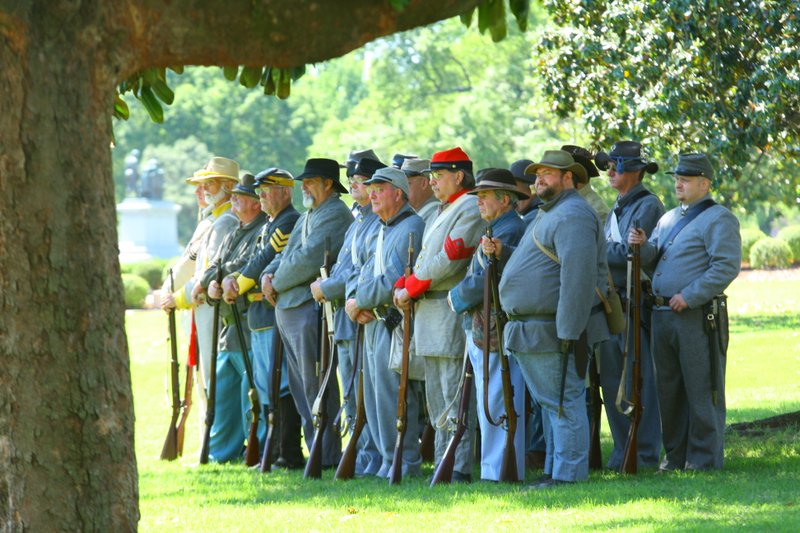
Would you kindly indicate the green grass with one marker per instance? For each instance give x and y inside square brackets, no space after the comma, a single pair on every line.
[758,489]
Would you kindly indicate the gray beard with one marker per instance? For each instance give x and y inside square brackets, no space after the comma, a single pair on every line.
[214,199]
[308,201]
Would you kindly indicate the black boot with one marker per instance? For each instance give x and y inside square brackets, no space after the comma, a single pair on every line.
[290,453]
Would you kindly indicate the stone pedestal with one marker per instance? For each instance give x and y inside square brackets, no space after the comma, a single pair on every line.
[147,229]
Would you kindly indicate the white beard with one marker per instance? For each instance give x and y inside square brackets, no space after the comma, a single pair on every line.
[212,199]
[308,201]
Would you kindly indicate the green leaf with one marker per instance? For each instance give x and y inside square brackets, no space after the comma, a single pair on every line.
[250,76]
[520,9]
[230,73]
[121,110]
[152,105]
[466,18]
[164,93]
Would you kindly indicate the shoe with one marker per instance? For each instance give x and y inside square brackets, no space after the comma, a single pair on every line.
[548,483]
[459,477]
[281,462]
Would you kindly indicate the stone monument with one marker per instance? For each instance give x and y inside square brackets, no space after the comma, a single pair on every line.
[148,224]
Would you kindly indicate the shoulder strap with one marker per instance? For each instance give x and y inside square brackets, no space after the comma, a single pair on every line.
[639,194]
[690,215]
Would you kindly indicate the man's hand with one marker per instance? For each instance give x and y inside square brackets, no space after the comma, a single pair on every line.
[491,246]
[230,289]
[402,300]
[316,290]
[167,302]
[269,291]
[637,236]
[214,290]
[352,310]
[198,294]
[677,303]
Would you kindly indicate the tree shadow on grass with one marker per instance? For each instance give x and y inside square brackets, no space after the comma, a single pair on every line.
[743,323]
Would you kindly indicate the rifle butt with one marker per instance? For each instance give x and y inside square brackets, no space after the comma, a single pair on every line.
[170,450]
[252,456]
[204,447]
[266,457]
[444,472]
[427,443]
[629,458]
[347,465]
[396,473]
[313,468]
[508,468]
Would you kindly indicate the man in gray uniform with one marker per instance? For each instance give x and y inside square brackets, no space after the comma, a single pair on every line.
[285,283]
[548,292]
[420,194]
[371,298]
[447,248]
[357,241]
[696,252]
[626,168]
[232,420]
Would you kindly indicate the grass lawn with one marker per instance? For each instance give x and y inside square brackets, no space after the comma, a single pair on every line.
[759,489]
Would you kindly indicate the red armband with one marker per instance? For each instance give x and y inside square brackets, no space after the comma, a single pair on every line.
[400,283]
[456,250]
[416,287]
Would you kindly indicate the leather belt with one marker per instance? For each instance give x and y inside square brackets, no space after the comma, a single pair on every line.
[255,296]
[533,316]
[661,301]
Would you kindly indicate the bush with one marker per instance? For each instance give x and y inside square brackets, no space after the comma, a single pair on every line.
[750,236]
[770,252]
[151,270]
[791,235]
[136,289]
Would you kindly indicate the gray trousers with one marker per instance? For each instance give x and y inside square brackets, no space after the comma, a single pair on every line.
[442,377]
[692,425]
[369,460]
[381,387]
[610,367]
[298,327]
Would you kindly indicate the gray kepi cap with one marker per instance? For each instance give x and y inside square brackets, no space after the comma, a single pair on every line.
[390,175]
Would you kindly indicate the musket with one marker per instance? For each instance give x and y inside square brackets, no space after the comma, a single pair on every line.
[170,449]
[629,458]
[508,466]
[444,472]
[595,412]
[347,465]
[186,405]
[212,379]
[396,475]
[251,456]
[327,364]
[275,396]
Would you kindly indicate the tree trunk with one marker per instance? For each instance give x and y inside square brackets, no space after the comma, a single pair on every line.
[67,458]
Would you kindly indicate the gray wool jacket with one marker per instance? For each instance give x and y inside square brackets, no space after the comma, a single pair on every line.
[299,263]
[700,261]
[357,239]
[548,302]
[629,208]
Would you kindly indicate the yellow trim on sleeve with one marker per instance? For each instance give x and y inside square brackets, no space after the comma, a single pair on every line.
[180,300]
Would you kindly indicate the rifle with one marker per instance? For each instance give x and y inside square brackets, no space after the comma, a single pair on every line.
[595,412]
[275,396]
[347,465]
[170,449]
[251,456]
[326,361]
[634,411]
[508,468]
[444,472]
[396,475]
[212,379]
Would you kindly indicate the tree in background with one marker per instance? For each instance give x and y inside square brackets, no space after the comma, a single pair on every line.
[721,77]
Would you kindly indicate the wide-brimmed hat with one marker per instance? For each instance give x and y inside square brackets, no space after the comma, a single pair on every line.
[694,164]
[518,167]
[322,168]
[275,176]
[397,159]
[392,175]
[452,159]
[627,156]
[246,187]
[366,167]
[416,167]
[497,179]
[562,161]
[217,167]
[357,155]
[584,157]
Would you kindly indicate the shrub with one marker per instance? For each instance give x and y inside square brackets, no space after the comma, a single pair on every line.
[750,236]
[791,234]
[770,252]
[136,289]
[151,270]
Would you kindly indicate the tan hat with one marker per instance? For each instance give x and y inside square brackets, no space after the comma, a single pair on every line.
[217,167]
[561,160]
